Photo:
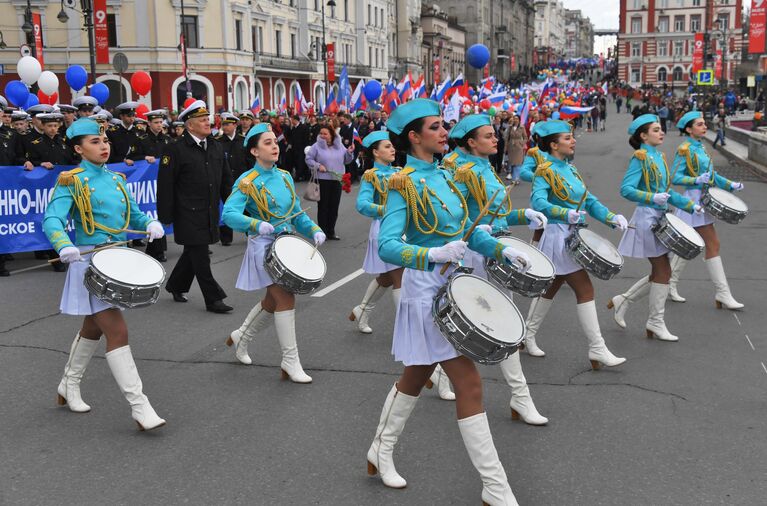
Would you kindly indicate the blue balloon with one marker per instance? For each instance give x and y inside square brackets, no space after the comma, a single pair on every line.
[17,92]
[555,115]
[100,92]
[478,55]
[31,100]
[76,77]
[372,90]
[471,92]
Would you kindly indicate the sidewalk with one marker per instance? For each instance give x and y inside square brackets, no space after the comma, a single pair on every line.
[734,150]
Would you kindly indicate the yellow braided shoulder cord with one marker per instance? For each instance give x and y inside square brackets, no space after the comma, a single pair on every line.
[261,198]
[556,182]
[81,195]
[692,164]
[380,185]
[478,189]
[650,171]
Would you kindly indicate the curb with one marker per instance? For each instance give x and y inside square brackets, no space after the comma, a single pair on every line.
[758,168]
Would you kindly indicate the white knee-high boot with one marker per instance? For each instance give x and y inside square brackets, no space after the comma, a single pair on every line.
[478,440]
[620,303]
[396,410]
[677,266]
[439,378]
[362,312]
[656,324]
[395,297]
[126,375]
[80,354]
[723,297]
[241,338]
[538,310]
[521,404]
[598,352]
[285,323]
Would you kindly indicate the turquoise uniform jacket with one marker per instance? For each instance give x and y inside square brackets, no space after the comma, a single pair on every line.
[371,199]
[648,174]
[692,160]
[100,203]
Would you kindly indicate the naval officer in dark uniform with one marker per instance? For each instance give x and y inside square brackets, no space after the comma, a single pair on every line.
[125,136]
[152,145]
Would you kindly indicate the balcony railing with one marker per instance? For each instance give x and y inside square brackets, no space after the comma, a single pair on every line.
[279,62]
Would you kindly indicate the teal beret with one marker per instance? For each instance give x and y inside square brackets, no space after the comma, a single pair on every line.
[687,118]
[553,126]
[373,137]
[642,120]
[255,130]
[469,123]
[410,111]
[84,126]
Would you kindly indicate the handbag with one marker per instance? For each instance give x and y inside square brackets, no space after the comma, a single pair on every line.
[312,191]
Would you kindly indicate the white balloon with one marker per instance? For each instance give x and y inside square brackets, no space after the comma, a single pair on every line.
[48,82]
[29,70]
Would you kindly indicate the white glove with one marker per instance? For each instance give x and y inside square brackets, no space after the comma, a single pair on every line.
[155,230]
[620,222]
[703,178]
[661,198]
[516,257]
[536,219]
[450,252]
[698,209]
[736,187]
[265,228]
[486,228]
[319,238]
[574,217]
[69,254]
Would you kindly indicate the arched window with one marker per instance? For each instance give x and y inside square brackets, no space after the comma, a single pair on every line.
[241,96]
[199,91]
[662,74]
[677,75]
[118,93]
[279,93]
[259,92]
[319,97]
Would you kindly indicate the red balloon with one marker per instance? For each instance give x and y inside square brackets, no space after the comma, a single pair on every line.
[141,82]
[189,101]
[141,111]
[485,104]
[48,99]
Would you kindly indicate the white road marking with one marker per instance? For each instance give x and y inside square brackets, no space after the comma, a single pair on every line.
[764,367]
[737,319]
[750,343]
[338,283]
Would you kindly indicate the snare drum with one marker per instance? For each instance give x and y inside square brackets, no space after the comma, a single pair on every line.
[594,253]
[723,205]
[531,283]
[290,263]
[478,319]
[124,277]
[683,240]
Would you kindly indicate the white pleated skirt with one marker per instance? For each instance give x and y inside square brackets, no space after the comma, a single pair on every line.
[640,242]
[373,263]
[417,340]
[553,246]
[692,219]
[75,298]
[252,274]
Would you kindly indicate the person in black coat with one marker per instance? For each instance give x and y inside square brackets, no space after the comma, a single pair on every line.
[234,151]
[152,145]
[125,136]
[192,180]
[298,139]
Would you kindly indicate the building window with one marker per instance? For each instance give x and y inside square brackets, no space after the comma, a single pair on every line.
[662,48]
[346,10]
[678,23]
[112,30]
[189,29]
[663,24]
[278,42]
[677,75]
[370,56]
[695,23]
[678,48]
[636,49]
[636,25]
[724,21]
[293,45]
[637,4]
[635,75]
[662,74]
[696,3]
[663,4]
[238,34]
[370,18]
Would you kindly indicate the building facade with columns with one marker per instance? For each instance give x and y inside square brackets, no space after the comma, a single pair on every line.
[549,31]
[579,35]
[444,45]
[656,39]
[236,49]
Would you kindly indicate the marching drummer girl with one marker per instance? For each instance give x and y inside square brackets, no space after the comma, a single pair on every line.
[371,202]
[559,193]
[102,209]
[693,169]
[426,208]
[268,195]
[647,183]
[475,176]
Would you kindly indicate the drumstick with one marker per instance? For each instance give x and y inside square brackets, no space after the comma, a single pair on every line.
[498,209]
[468,233]
[54,260]
[129,231]
[316,245]
[583,198]
[110,245]
[275,225]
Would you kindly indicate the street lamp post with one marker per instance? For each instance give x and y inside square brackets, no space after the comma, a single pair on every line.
[28,28]
[331,3]
[87,12]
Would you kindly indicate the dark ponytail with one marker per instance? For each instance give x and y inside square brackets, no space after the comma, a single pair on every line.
[463,142]
[544,143]
[636,139]
[687,125]
[368,159]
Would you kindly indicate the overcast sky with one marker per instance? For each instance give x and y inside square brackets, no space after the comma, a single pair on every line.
[603,13]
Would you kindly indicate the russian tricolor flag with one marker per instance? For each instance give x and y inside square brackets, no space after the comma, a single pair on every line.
[358,97]
[255,107]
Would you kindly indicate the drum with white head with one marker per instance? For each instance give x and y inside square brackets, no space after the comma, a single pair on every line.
[723,205]
[682,239]
[594,253]
[124,277]
[295,264]
[530,283]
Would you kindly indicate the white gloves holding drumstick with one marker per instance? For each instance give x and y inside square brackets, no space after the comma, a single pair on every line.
[450,252]
[69,254]
[155,230]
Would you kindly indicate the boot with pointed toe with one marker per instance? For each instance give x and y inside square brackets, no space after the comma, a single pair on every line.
[677,266]
[620,303]
[521,404]
[656,324]
[362,312]
[439,378]
[285,324]
[723,297]
[598,353]
[539,308]
[80,354]
[242,337]
[126,375]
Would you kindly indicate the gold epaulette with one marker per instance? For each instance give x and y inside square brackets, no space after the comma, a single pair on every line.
[684,149]
[399,179]
[464,172]
[542,168]
[369,175]
[67,177]
[640,154]
[247,181]
[37,141]
[535,153]
[449,161]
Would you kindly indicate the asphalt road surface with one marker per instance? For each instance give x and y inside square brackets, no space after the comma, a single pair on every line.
[679,423]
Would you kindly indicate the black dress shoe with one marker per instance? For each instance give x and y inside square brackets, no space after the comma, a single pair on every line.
[218,307]
[210,251]
[334,237]
[162,258]
[59,267]
[4,272]
[226,243]
[178,297]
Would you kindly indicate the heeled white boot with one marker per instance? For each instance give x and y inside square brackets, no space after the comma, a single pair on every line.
[242,337]
[126,375]
[538,310]
[620,303]
[656,325]
[285,323]
[439,378]
[478,440]
[598,352]
[396,410]
[395,298]
[521,404]
[80,354]
[723,297]
[677,266]
[362,312]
